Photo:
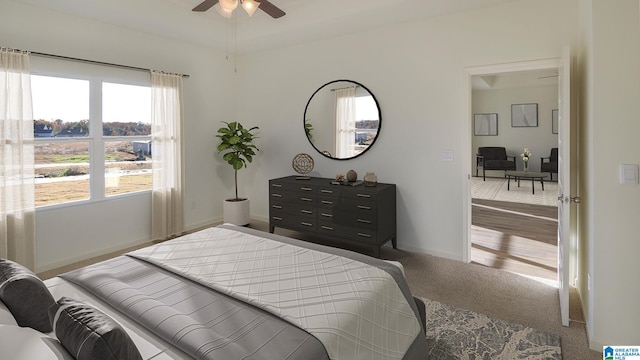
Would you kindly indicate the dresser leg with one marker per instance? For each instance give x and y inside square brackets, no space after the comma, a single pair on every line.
[272,228]
[376,252]
[394,242]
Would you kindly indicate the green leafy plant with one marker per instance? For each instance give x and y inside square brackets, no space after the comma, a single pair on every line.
[307,129]
[236,144]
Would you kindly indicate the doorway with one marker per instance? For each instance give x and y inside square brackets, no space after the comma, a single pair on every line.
[516,229]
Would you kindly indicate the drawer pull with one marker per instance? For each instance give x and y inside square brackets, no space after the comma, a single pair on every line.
[326,215]
[364,235]
[327,202]
[327,227]
[364,221]
[276,218]
[306,188]
[364,207]
[276,195]
[306,224]
[306,199]
[326,191]
[276,206]
[363,195]
[276,185]
[306,211]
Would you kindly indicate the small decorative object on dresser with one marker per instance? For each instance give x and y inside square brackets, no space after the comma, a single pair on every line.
[370,179]
[302,164]
[354,215]
[352,175]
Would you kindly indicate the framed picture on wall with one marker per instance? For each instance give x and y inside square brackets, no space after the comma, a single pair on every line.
[524,115]
[554,121]
[485,124]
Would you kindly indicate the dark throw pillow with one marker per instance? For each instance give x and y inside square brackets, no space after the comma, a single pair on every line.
[25,295]
[87,333]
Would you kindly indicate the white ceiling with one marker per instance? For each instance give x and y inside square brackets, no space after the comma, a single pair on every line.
[306,20]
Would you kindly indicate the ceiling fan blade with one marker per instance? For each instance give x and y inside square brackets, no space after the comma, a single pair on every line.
[271,9]
[205,5]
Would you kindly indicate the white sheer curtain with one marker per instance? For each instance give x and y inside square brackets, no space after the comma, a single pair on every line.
[345,121]
[166,152]
[17,182]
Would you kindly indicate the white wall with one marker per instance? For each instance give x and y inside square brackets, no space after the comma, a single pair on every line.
[609,131]
[67,234]
[539,140]
[415,70]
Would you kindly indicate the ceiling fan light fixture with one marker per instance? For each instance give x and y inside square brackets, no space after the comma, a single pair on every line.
[224,12]
[228,5]
[250,6]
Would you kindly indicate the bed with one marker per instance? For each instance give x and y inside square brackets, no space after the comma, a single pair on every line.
[231,292]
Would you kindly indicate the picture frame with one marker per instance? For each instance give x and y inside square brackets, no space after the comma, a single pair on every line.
[485,124]
[554,121]
[524,115]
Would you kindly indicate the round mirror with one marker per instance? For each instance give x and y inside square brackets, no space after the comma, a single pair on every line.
[342,119]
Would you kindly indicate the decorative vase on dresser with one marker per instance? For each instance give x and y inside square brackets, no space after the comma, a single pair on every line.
[342,213]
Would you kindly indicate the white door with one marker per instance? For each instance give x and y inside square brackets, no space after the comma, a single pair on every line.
[564,183]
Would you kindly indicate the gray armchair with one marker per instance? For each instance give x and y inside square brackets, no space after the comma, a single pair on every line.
[494,158]
[550,163]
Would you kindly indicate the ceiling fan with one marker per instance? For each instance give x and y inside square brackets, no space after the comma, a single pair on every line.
[264,5]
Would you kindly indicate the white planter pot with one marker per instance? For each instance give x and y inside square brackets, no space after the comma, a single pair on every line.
[236,212]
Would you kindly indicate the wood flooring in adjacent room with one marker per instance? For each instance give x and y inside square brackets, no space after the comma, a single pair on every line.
[515,236]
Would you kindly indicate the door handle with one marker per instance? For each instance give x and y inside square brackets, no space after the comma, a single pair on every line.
[574,199]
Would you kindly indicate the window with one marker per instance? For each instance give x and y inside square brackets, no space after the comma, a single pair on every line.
[367,122]
[92,137]
[126,127]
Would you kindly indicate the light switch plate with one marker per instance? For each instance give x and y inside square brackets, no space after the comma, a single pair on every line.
[628,173]
[446,155]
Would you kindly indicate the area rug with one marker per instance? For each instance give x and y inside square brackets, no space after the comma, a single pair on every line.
[454,333]
[496,189]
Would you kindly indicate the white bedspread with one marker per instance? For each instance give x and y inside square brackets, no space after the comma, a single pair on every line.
[356,310]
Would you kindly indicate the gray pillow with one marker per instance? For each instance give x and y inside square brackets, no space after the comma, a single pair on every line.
[25,295]
[87,333]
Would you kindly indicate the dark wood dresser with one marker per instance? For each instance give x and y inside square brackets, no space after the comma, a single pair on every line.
[344,214]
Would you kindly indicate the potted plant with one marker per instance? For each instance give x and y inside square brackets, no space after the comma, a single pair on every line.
[236,144]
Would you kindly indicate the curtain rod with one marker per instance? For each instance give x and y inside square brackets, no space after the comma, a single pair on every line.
[95,62]
[348,87]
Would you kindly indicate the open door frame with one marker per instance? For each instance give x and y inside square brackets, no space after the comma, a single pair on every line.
[547,64]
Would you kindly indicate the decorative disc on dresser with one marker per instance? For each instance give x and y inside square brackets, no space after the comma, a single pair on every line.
[302,164]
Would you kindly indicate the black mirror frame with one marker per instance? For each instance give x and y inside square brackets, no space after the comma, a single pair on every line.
[304,119]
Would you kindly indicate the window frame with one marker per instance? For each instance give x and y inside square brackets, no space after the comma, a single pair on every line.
[96,75]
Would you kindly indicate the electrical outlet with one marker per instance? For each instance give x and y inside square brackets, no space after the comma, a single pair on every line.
[589,281]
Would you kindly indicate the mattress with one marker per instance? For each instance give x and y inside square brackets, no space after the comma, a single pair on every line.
[230,292]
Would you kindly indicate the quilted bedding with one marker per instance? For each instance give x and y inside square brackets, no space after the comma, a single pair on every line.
[229,292]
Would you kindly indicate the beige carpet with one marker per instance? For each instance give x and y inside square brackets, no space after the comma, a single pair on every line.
[497,294]
[496,189]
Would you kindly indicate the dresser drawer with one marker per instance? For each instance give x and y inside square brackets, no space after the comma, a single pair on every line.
[291,219]
[292,186]
[303,208]
[341,216]
[360,194]
[332,191]
[327,202]
[367,236]
[360,206]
